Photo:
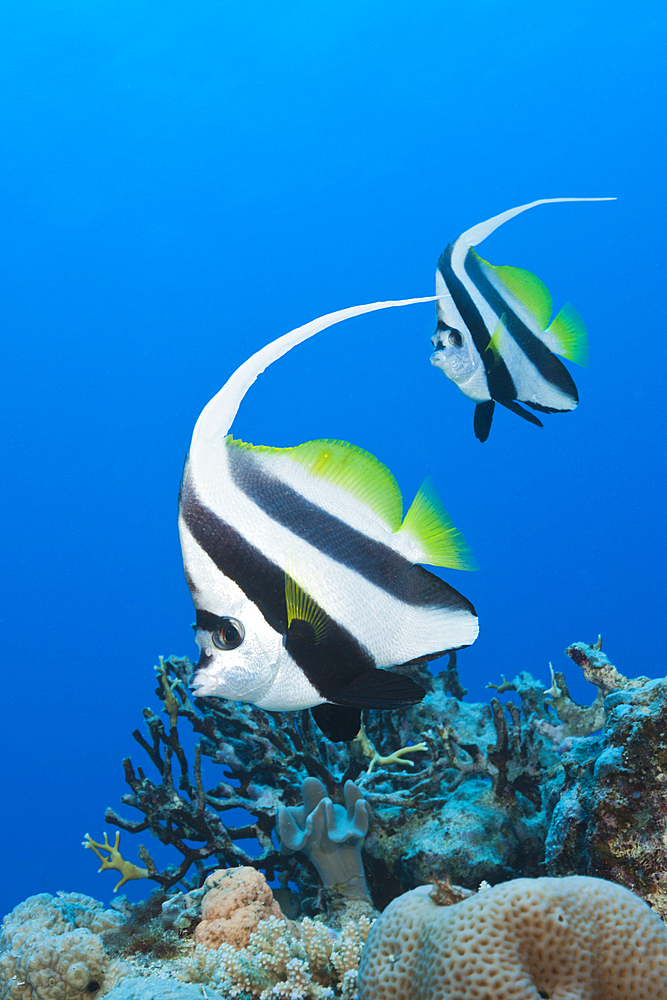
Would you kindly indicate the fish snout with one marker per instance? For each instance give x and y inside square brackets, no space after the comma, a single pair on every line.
[205,659]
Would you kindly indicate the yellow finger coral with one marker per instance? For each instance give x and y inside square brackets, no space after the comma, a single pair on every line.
[115,859]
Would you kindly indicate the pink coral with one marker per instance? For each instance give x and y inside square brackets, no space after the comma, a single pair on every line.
[236,901]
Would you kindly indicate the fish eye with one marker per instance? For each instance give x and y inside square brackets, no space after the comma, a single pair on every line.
[455,338]
[229,634]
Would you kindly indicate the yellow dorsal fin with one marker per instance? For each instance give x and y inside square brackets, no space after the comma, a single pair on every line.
[352,469]
[524,286]
[430,525]
[569,332]
[301,606]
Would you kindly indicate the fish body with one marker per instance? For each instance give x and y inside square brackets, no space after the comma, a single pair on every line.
[303,571]
[495,338]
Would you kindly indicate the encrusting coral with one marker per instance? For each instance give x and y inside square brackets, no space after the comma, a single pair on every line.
[236,901]
[606,801]
[51,949]
[577,938]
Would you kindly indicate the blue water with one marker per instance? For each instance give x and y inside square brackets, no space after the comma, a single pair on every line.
[180,184]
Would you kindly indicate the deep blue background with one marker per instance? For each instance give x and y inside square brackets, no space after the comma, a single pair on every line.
[181,183]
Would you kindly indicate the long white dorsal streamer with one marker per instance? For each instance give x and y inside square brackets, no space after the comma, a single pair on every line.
[483,229]
[218,415]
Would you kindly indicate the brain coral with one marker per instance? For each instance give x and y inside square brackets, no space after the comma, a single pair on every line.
[575,938]
[50,949]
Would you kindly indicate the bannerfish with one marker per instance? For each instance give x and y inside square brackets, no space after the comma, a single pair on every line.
[304,572]
[494,339]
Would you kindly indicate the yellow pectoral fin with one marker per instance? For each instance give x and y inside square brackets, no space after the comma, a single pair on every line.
[302,607]
[497,340]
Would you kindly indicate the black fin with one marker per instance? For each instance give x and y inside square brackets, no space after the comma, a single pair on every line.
[337,722]
[512,405]
[380,689]
[483,418]
[544,409]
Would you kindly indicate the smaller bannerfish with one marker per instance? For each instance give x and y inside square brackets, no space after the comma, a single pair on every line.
[303,570]
[494,339]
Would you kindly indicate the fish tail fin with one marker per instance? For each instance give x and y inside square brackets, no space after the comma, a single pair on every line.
[483,418]
[217,416]
[483,229]
[569,333]
[429,526]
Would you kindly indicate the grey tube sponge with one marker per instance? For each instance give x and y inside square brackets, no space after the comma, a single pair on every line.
[330,835]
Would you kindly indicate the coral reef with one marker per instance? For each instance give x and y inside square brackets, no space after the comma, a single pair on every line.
[265,759]
[478,759]
[236,901]
[575,937]
[606,801]
[51,949]
[485,788]
[304,961]
[473,809]
[331,836]
[477,793]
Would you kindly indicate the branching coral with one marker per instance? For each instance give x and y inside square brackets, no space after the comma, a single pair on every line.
[263,763]
[469,803]
[304,961]
[266,758]
[114,860]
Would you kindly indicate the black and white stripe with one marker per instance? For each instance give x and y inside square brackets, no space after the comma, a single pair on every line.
[472,303]
[252,519]
[412,599]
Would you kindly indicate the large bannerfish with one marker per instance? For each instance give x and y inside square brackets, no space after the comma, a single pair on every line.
[494,339]
[303,570]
